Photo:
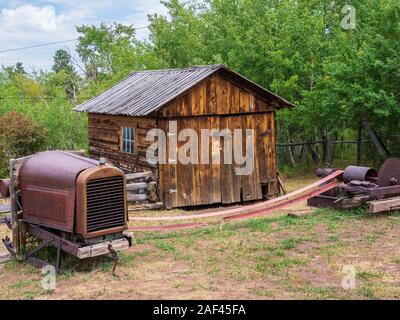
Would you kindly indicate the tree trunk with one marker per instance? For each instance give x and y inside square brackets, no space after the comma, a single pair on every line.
[333,150]
[325,147]
[342,144]
[383,151]
[291,156]
[359,134]
[314,155]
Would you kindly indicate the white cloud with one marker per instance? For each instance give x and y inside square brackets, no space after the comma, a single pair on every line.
[25,23]
[28,16]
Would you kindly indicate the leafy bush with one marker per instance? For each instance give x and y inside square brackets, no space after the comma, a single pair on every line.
[19,137]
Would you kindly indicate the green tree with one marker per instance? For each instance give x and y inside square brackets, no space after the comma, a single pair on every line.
[299,50]
[22,138]
[19,68]
[106,49]
[66,74]
[62,62]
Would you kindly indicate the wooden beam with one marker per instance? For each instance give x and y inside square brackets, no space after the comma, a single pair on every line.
[384,205]
[5,208]
[281,184]
[137,186]
[299,214]
[138,175]
[140,186]
[5,257]
[14,211]
[147,206]
[136,197]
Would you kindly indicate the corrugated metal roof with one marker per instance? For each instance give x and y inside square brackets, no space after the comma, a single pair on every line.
[144,92]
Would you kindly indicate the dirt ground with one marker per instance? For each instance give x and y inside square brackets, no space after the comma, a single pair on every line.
[276,257]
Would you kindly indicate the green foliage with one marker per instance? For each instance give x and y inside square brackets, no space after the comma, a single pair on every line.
[19,138]
[43,99]
[65,74]
[297,49]
[105,49]
[62,62]
[289,243]
[164,245]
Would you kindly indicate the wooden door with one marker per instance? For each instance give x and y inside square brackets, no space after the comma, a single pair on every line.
[202,183]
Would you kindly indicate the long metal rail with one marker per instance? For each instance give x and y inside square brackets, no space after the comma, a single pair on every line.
[258,209]
[225,212]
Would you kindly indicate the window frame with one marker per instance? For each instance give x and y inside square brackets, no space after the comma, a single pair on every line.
[130,139]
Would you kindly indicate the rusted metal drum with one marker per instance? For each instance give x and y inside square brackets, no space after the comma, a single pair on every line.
[359,173]
[5,188]
[389,173]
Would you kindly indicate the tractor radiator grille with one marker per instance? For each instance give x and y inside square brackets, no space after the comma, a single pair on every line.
[105,203]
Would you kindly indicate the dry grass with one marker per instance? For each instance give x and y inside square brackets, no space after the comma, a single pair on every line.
[270,258]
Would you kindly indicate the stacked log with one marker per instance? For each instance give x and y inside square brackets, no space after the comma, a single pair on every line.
[142,190]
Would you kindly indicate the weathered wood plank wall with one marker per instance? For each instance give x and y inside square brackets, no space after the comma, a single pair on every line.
[218,103]
[196,184]
[105,140]
[215,96]
[215,103]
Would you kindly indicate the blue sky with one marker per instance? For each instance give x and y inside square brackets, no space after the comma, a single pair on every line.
[24,23]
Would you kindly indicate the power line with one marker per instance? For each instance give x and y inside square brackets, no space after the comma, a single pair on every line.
[50,43]
[37,45]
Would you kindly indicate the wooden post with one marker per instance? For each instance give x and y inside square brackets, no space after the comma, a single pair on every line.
[280,182]
[14,213]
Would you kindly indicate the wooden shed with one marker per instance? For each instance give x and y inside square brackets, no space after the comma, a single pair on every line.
[203,97]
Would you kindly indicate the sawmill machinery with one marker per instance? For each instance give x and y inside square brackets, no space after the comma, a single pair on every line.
[363,185]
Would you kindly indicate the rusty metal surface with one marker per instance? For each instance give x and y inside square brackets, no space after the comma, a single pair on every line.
[54,240]
[389,173]
[359,173]
[324,172]
[47,183]
[283,204]
[170,227]
[363,184]
[110,200]
[5,188]
[374,193]
[324,201]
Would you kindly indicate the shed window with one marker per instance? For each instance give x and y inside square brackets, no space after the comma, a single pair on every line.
[128,140]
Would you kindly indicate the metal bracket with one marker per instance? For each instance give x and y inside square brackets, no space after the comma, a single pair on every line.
[114,256]
[42,245]
[8,244]
[8,222]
